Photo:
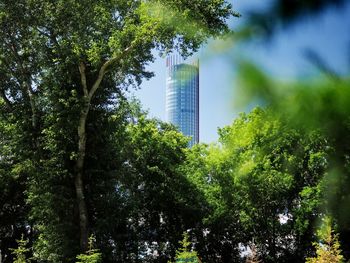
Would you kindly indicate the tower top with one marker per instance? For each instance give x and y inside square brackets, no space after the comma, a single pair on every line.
[176,59]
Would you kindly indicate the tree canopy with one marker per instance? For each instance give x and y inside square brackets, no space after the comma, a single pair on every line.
[63,68]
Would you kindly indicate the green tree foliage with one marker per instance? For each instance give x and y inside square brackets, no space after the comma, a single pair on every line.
[13,208]
[205,168]
[159,201]
[263,184]
[328,247]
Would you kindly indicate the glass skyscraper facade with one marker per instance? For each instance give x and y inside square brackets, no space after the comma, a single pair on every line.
[182,96]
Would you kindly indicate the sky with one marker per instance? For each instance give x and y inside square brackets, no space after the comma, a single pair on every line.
[328,34]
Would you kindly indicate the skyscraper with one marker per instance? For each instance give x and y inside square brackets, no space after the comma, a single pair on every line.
[182,96]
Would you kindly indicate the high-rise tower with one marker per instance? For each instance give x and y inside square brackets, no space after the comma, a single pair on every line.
[182,96]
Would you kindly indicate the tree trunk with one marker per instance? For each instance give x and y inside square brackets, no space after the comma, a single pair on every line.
[79,184]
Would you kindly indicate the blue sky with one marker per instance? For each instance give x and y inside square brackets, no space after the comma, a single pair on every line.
[328,34]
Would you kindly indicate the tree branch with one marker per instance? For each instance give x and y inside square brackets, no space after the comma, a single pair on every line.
[104,68]
[82,69]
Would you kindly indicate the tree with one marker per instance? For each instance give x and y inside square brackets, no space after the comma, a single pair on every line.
[160,203]
[69,58]
[271,168]
[208,168]
[20,253]
[92,255]
[262,183]
[184,253]
[328,248]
